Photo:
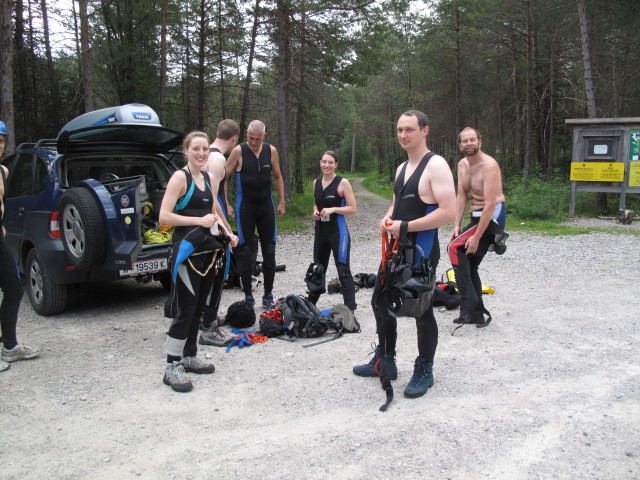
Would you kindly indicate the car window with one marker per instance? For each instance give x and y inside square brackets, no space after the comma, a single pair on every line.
[20,179]
[42,175]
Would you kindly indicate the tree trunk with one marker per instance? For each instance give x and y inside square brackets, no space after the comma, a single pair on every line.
[601,197]
[54,98]
[25,122]
[353,153]
[553,77]
[247,81]
[529,90]
[6,68]
[163,62]
[586,59]
[223,99]
[300,106]
[282,79]
[87,75]
[200,95]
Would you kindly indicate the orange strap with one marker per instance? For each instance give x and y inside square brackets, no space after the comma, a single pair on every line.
[387,252]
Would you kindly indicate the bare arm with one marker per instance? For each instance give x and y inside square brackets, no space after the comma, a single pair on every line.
[277,178]
[461,199]
[234,162]
[386,220]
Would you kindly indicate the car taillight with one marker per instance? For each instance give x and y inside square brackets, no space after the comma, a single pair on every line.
[54,225]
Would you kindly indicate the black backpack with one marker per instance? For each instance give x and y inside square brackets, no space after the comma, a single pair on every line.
[302,318]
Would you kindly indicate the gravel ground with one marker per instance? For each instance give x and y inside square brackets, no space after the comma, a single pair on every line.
[550,390]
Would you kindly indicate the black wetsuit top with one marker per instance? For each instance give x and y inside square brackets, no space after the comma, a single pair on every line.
[329,198]
[254,179]
[409,206]
[194,203]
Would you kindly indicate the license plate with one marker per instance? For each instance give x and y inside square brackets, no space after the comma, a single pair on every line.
[146,266]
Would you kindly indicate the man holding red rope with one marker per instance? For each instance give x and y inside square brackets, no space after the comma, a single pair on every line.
[424,199]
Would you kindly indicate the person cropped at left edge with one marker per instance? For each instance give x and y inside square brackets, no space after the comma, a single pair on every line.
[10,283]
[197,261]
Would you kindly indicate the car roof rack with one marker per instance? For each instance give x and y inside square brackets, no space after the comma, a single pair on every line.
[46,143]
[25,145]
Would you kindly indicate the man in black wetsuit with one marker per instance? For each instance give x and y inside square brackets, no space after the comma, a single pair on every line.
[254,163]
[424,199]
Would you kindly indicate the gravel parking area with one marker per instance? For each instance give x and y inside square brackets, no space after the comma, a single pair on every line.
[550,390]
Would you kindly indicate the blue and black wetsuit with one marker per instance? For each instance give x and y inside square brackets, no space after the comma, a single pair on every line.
[466,266]
[196,282]
[333,236]
[408,206]
[255,209]
[10,284]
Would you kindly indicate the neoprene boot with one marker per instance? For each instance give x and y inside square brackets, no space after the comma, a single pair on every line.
[421,380]
[369,369]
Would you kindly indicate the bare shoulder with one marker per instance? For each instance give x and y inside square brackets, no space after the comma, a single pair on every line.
[437,166]
[5,170]
[490,164]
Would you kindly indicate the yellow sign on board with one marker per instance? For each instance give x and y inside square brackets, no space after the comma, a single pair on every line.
[583,172]
[611,172]
[634,174]
[597,172]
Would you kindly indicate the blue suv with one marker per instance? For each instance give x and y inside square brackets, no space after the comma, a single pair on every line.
[77,206]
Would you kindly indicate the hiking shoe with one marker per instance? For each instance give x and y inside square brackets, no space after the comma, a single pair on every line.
[267,301]
[369,369]
[174,377]
[214,336]
[19,352]
[4,366]
[387,367]
[250,300]
[421,380]
[469,319]
[195,365]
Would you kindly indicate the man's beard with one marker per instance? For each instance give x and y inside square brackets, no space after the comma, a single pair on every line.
[470,151]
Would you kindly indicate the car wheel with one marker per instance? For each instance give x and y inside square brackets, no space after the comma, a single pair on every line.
[46,296]
[165,280]
[82,228]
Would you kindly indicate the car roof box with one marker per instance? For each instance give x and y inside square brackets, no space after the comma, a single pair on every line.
[130,128]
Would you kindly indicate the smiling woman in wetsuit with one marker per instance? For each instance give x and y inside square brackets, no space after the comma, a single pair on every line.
[333,199]
[198,255]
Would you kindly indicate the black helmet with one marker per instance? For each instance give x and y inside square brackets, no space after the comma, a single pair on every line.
[315,279]
[240,315]
[410,292]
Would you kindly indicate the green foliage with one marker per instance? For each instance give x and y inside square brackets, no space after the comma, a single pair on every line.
[379,184]
[297,216]
[533,197]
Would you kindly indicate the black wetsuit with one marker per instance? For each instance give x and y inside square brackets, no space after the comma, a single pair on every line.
[409,206]
[191,291]
[333,236]
[10,285]
[255,208]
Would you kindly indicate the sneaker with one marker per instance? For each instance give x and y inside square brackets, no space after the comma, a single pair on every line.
[250,300]
[19,352]
[174,377]
[4,366]
[215,336]
[369,369]
[267,301]
[195,365]
[421,380]
[387,366]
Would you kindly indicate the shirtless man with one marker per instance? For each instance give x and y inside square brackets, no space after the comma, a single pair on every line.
[226,138]
[423,200]
[480,184]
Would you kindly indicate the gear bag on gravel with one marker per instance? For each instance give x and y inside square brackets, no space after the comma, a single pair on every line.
[302,318]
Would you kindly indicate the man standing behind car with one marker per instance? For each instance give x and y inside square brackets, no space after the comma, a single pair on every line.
[226,138]
[10,283]
[254,162]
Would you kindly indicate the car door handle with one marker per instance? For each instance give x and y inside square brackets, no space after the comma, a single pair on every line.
[21,210]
